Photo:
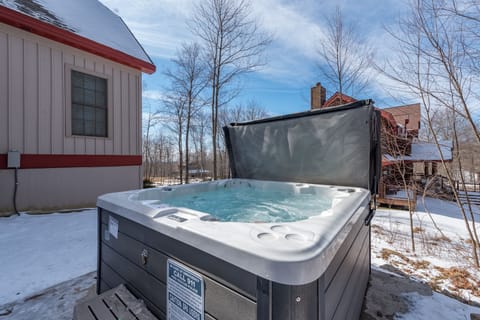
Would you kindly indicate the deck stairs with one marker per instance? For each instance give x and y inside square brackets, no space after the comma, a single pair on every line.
[473,196]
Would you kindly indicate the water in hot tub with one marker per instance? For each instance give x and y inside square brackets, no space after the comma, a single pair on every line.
[248,204]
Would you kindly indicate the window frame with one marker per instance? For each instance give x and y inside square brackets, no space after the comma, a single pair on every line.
[69,101]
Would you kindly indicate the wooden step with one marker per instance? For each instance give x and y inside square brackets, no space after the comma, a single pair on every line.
[115,304]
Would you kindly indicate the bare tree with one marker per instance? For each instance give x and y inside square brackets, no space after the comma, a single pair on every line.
[234,45]
[199,132]
[175,108]
[187,81]
[441,121]
[251,110]
[151,119]
[238,113]
[345,58]
[437,34]
[397,145]
[467,13]
[161,156]
[434,63]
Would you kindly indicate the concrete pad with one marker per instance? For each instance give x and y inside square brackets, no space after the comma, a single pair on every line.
[384,295]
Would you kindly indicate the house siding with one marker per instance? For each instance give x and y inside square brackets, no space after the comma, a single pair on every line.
[35,120]
[33,103]
[45,190]
[4,116]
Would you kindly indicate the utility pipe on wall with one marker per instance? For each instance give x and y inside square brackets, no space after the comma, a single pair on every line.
[13,162]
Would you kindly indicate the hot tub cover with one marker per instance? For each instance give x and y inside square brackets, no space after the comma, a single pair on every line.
[332,146]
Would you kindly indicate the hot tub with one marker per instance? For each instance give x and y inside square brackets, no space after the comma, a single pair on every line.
[248,248]
[319,251]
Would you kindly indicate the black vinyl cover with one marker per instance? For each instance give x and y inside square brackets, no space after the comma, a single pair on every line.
[332,146]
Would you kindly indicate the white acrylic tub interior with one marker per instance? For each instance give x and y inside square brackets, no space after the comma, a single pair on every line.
[295,252]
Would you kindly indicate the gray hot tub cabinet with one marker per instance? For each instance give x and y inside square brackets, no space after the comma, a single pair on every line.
[134,250]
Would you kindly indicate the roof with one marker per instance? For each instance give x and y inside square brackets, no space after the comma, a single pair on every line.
[87,25]
[410,111]
[338,99]
[389,117]
[403,109]
[422,151]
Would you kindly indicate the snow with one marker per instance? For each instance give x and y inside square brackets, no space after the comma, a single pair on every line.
[423,151]
[48,261]
[55,303]
[39,251]
[436,306]
[429,151]
[443,256]
[87,18]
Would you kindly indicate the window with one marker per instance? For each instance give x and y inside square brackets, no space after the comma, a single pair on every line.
[89,105]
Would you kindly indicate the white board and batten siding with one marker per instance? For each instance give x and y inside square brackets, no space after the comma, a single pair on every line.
[34,114]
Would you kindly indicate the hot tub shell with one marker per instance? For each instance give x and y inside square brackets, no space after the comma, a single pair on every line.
[315,268]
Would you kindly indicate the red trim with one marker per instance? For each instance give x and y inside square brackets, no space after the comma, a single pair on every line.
[347,99]
[42,161]
[389,117]
[19,20]
[343,98]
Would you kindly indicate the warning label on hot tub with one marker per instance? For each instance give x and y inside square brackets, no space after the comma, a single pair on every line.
[185,298]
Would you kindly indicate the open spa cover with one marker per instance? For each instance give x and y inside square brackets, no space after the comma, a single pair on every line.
[332,146]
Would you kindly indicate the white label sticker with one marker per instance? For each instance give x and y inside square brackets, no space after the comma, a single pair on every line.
[185,296]
[113,226]
[106,235]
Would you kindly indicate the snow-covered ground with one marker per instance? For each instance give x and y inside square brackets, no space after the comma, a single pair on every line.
[40,251]
[443,255]
[436,306]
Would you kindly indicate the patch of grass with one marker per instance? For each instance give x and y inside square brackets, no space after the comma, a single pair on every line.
[387,253]
[460,278]
[418,230]
[442,238]
[434,285]
[378,230]
[422,264]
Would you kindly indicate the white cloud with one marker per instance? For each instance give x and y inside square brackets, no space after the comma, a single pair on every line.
[294,28]
[297,27]
[159,25]
[297,34]
[153,95]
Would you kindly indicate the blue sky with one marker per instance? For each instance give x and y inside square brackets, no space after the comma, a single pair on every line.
[283,85]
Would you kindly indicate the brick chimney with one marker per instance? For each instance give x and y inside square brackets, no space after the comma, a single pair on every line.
[318,96]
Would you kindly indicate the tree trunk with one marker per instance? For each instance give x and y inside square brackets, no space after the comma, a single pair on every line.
[451,181]
[187,131]
[180,155]
[214,130]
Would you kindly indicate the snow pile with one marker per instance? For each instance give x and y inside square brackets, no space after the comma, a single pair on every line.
[443,255]
[39,251]
[436,306]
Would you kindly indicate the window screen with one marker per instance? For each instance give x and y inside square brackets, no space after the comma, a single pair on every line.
[89,105]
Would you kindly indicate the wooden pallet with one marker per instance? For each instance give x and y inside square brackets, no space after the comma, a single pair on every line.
[115,304]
